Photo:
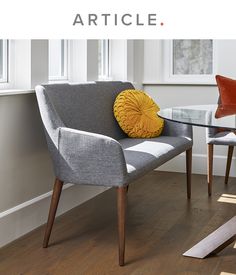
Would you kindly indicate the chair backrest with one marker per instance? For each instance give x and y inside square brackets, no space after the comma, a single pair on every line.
[87,107]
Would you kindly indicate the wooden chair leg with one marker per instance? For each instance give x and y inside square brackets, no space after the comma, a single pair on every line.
[210,150]
[229,160]
[121,208]
[53,209]
[189,171]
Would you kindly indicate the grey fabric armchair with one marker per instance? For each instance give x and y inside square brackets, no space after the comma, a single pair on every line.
[88,147]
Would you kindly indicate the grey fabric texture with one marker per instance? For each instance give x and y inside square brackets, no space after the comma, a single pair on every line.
[89,158]
[144,155]
[210,133]
[88,107]
[51,122]
[176,129]
[86,143]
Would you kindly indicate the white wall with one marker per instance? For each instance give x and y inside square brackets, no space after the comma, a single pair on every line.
[177,95]
[26,170]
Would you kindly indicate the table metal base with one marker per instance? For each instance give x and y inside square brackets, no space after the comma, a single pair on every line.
[215,242]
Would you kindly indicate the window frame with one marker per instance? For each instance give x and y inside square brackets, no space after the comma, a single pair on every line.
[5,78]
[65,76]
[105,62]
[188,79]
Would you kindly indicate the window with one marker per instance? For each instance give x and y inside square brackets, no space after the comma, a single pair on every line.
[58,59]
[104,59]
[3,61]
[190,61]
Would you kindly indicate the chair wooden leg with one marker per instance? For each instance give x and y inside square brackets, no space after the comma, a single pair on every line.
[53,209]
[189,171]
[210,150]
[121,208]
[229,160]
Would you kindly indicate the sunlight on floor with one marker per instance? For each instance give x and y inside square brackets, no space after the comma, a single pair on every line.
[229,198]
[227,273]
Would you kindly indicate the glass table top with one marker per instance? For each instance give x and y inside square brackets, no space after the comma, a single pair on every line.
[198,115]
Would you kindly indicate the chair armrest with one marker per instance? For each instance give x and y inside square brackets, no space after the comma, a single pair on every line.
[177,129]
[90,158]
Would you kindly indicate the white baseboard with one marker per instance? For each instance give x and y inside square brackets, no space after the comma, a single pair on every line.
[199,165]
[23,218]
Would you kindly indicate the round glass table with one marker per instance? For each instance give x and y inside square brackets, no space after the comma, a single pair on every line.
[204,116]
[198,115]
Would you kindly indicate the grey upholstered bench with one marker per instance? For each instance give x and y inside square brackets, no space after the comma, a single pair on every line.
[87,145]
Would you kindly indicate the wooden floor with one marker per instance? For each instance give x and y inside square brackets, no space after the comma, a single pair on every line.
[161,225]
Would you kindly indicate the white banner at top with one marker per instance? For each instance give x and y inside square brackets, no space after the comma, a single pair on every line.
[159,19]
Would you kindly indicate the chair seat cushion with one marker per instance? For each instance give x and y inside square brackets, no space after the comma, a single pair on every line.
[223,138]
[144,155]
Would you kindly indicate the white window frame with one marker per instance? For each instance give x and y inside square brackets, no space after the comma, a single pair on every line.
[4,78]
[65,58]
[28,63]
[105,60]
[195,79]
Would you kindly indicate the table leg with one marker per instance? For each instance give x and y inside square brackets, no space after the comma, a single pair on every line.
[214,242]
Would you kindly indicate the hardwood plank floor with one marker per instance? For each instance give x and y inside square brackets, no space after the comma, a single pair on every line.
[161,225]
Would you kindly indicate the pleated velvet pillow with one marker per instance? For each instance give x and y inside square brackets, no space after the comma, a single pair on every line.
[136,113]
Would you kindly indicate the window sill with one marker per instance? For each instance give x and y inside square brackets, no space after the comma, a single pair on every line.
[177,83]
[15,92]
[58,81]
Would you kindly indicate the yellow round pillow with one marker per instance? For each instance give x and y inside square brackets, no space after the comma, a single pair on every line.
[136,113]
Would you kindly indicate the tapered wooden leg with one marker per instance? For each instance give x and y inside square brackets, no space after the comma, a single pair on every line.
[209,167]
[121,207]
[53,209]
[229,159]
[189,171]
